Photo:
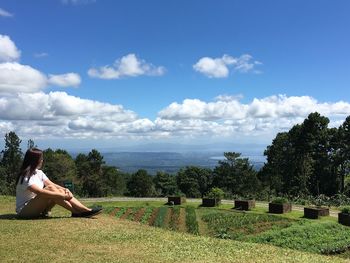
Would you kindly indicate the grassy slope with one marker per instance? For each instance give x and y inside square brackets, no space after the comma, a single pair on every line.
[105,239]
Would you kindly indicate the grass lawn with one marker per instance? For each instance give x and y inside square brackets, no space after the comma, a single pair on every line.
[106,239]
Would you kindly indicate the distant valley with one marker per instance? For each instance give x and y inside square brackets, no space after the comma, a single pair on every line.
[170,162]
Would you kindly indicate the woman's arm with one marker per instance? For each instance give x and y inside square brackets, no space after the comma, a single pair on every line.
[49,193]
[49,182]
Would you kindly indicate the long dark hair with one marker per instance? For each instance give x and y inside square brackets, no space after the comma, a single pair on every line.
[31,161]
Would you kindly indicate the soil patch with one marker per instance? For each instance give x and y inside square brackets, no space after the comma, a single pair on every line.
[167,218]
[182,220]
[153,216]
[127,212]
[138,215]
[114,212]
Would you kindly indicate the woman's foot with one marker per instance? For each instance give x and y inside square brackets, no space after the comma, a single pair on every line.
[92,212]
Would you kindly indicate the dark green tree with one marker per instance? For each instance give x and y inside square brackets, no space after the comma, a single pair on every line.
[165,184]
[90,173]
[59,166]
[113,182]
[11,160]
[140,184]
[194,181]
[236,175]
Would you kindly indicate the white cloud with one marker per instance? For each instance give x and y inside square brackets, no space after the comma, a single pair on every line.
[127,66]
[41,55]
[4,13]
[220,67]
[8,50]
[78,2]
[227,116]
[15,77]
[59,115]
[65,80]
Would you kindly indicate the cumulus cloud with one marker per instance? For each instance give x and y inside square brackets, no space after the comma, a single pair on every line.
[65,80]
[4,13]
[127,66]
[227,116]
[8,50]
[58,114]
[15,77]
[220,67]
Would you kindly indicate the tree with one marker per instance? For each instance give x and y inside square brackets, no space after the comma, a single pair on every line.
[165,184]
[140,184]
[194,181]
[30,144]
[113,182]
[236,175]
[343,152]
[90,173]
[11,160]
[59,166]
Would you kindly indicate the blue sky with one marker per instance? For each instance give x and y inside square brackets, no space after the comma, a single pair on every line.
[120,72]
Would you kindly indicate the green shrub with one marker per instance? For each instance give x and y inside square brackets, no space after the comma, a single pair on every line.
[216,193]
[345,210]
[279,200]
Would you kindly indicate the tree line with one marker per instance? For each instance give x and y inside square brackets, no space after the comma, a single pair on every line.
[309,159]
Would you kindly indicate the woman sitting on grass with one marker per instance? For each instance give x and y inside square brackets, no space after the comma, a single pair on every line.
[36,194]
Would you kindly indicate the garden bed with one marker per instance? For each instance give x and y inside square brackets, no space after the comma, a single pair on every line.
[280,208]
[315,212]
[244,204]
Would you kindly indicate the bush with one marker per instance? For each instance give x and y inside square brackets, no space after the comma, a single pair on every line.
[345,210]
[279,200]
[216,193]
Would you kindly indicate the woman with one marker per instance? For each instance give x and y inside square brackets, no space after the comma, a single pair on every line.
[36,194]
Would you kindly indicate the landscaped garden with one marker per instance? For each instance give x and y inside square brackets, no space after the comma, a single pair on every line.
[292,230]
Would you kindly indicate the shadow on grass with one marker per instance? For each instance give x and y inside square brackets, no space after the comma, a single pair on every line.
[16,217]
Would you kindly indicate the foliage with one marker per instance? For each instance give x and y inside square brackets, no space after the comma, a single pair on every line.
[146,215]
[322,237]
[236,225]
[141,184]
[191,220]
[159,222]
[309,159]
[279,200]
[11,158]
[59,166]
[194,181]
[236,175]
[345,210]
[216,193]
[165,184]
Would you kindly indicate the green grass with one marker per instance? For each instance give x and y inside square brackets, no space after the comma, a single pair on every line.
[105,239]
[319,237]
[191,221]
[159,222]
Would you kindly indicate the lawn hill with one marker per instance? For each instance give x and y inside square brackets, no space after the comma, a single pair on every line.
[108,239]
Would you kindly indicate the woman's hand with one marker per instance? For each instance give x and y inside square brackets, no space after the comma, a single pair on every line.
[68,192]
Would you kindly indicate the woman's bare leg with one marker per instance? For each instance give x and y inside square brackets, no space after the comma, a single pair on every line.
[74,203]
